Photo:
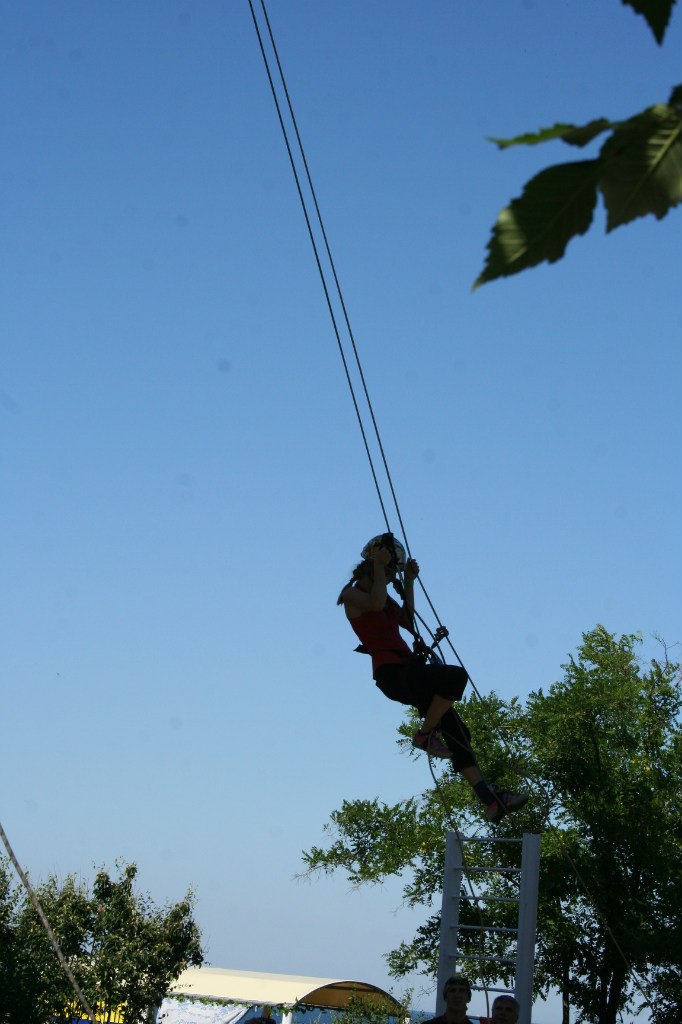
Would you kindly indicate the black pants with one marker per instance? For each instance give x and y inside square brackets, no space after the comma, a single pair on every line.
[417,684]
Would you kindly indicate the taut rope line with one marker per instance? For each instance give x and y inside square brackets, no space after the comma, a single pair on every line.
[318,261]
[335,276]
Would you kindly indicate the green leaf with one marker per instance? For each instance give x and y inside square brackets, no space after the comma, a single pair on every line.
[557,131]
[557,204]
[656,12]
[581,136]
[641,166]
[574,136]
[676,99]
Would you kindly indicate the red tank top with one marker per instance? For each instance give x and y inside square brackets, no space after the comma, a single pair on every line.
[379,633]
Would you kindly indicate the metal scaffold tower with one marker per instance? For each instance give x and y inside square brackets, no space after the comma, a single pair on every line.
[458,884]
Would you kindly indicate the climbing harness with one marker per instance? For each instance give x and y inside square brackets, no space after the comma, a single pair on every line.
[430,655]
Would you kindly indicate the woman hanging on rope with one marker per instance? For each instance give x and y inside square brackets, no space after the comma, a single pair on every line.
[404,676]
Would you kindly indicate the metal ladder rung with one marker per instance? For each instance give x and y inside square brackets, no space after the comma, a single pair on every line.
[487,959]
[490,899]
[484,927]
[497,871]
[488,839]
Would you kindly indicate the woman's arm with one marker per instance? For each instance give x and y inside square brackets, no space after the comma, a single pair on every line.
[357,601]
[411,573]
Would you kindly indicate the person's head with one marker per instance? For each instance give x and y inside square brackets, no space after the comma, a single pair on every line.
[457,992]
[505,1010]
[389,543]
[364,570]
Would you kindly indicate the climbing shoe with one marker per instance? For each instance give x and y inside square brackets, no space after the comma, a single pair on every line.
[431,742]
[504,803]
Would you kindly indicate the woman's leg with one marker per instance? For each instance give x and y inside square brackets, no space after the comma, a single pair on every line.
[436,710]
[443,684]
[418,685]
[497,802]
[429,689]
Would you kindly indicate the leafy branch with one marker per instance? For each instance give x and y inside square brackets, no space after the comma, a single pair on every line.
[638,171]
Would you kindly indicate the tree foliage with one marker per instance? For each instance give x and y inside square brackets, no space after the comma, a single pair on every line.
[602,753]
[638,171]
[124,951]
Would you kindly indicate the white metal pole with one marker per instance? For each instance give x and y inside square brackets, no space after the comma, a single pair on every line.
[528,915]
[449,914]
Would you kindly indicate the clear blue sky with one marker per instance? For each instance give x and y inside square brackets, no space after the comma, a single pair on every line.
[184,489]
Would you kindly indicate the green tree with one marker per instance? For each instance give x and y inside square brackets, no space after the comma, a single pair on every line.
[124,951]
[638,171]
[602,749]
